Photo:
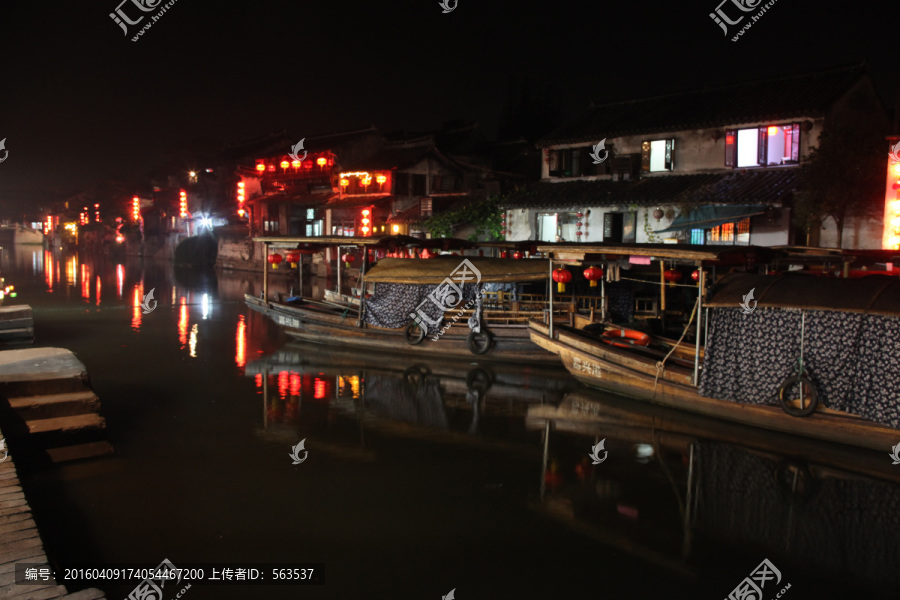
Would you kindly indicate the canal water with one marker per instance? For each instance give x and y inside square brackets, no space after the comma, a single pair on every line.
[420,476]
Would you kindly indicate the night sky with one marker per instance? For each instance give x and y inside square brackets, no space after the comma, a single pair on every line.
[79,101]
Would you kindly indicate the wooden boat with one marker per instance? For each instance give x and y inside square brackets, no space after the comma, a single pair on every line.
[489,325]
[761,389]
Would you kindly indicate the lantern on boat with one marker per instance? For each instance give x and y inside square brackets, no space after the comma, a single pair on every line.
[504,254]
[348,258]
[696,275]
[517,255]
[561,276]
[593,274]
[275,260]
[672,276]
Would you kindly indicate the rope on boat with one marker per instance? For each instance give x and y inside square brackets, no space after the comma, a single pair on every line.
[661,365]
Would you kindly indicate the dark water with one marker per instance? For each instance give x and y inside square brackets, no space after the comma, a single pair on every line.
[422,476]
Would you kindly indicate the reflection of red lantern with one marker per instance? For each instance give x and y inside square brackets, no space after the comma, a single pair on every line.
[672,275]
[561,276]
[517,255]
[696,275]
[593,274]
[348,258]
[275,260]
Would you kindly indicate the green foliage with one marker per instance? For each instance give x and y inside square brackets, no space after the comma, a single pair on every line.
[843,178]
[197,251]
[484,216]
[651,236]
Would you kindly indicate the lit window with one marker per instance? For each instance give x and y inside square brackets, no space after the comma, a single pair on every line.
[656,155]
[763,146]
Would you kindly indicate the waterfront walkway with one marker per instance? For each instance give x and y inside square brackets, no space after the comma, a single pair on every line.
[20,541]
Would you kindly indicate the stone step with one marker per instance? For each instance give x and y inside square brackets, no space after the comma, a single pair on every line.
[16,311]
[66,424]
[16,323]
[31,408]
[21,333]
[80,451]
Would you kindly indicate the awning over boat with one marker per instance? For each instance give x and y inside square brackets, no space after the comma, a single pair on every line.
[876,294]
[384,241]
[706,217]
[673,252]
[436,270]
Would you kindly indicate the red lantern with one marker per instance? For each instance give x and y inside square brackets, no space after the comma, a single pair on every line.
[517,255]
[561,276]
[672,275]
[275,260]
[293,257]
[696,275]
[577,233]
[593,274]
[348,258]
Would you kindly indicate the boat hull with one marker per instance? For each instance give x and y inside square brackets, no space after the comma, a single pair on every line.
[336,327]
[605,368]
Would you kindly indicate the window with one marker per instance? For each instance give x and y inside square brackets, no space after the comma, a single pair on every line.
[557,227]
[425,207]
[763,146]
[656,155]
[619,227]
[728,234]
[577,162]
[418,185]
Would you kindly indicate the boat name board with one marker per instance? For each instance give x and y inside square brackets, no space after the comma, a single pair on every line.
[585,366]
[288,321]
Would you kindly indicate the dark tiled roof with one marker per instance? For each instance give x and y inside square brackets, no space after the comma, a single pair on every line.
[359,200]
[392,158]
[721,188]
[413,214]
[334,141]
[769,100]
[302,200]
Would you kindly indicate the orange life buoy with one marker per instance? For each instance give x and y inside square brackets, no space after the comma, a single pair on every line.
[635,338]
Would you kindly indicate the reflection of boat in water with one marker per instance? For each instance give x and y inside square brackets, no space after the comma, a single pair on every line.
[684,490]
[446,306]
[302,383]
[806,355]
[16,233]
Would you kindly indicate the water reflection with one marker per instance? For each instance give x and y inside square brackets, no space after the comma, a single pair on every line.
[683,491]
[302,384]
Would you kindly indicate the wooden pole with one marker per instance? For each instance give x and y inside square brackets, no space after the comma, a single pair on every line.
[700,288]
[362,286]
[265,274]
[550,288]
[339,272]
[662,287]
[603,294]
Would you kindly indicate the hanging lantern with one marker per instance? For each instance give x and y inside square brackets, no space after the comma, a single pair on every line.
[275,260]
[593,274]
[293,257]
[502,232]
[517,255]
[504,254]
[696,275]
[579,224]
[672,276]
[381,179]
[578,233]
[348,258]
[579,215]
[321,161]
[658,214]
[285,164]
[561,276]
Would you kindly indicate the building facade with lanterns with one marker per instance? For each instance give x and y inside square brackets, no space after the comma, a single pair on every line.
[717,166]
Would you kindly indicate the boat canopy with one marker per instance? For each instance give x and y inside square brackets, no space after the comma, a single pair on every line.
[875,294]
[673,252]
[436,270]
[384,241]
